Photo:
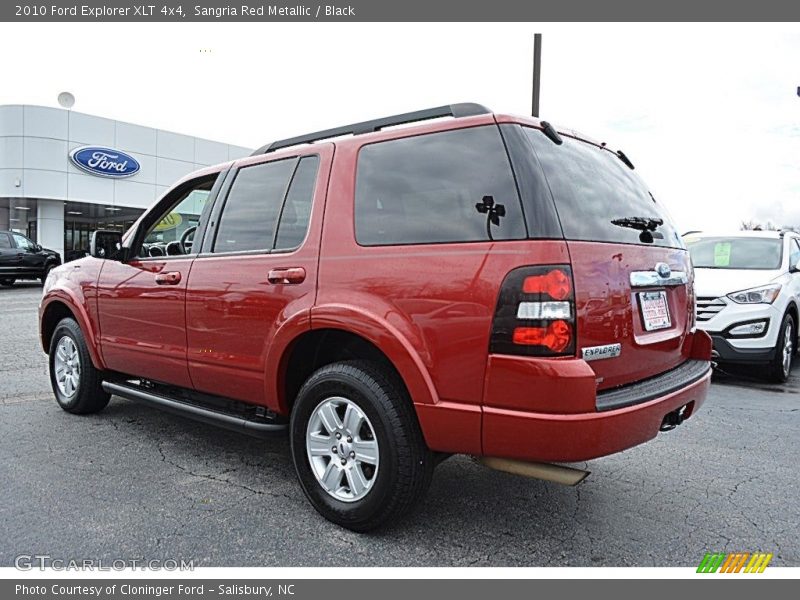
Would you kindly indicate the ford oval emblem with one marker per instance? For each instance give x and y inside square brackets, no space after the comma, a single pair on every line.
[663,270]
[104,162]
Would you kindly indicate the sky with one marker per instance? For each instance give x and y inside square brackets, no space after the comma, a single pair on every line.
[708,113]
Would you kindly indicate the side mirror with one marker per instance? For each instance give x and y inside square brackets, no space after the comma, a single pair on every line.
[106,244]
[38,248]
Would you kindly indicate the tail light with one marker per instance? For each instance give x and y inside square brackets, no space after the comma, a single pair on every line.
[535,314]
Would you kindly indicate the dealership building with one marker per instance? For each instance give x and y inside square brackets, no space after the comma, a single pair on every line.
[64,174]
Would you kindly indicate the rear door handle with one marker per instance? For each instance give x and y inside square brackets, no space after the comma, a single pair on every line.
[287,276]
[168,278]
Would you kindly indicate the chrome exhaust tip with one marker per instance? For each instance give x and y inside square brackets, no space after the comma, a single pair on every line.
[545,471]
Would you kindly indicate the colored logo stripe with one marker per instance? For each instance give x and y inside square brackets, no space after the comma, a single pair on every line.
[734,562]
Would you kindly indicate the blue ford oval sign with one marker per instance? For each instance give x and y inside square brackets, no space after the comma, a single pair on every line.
[104,162]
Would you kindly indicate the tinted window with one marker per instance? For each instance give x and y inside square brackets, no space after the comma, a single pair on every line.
[297,208]
[736,253]
[251,210]
[592,187]
[4,241]
[425,189]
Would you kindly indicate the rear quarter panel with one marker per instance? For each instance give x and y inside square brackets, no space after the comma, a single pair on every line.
[429,307]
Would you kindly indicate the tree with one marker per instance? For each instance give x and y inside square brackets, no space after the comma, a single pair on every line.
[750,225]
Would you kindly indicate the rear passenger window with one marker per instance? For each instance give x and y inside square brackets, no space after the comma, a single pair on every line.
[297,208]
[431,189]
[251,210]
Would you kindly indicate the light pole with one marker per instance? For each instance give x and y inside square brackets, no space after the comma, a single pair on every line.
[537,73]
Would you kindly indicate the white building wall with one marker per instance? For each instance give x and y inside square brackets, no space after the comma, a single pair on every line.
[50,224]
[35,143]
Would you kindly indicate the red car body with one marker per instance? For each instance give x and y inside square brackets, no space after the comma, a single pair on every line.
[224,328]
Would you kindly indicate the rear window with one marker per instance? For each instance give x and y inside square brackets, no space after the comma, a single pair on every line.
[736,253]
[592,187]
[452,186]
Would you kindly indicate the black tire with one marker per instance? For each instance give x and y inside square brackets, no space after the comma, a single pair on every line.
[778,371]
[405,462]
[88,396]
[7,282]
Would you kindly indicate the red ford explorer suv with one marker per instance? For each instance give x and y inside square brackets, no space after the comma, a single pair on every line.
[482,284]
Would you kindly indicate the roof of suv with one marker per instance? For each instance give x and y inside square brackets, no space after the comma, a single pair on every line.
[411,123]
[732,234]
[416,118]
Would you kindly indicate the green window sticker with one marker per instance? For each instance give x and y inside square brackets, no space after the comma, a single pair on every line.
[722,254]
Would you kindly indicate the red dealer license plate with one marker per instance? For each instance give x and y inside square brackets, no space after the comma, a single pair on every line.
[655,310]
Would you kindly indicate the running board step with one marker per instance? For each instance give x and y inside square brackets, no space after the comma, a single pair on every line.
[198,413]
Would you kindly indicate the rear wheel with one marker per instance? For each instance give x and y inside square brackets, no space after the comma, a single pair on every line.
[781,365]
[357,446]
[75,380]
[7,282]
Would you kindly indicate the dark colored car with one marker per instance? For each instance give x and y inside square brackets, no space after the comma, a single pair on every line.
[483,285]
[21,258]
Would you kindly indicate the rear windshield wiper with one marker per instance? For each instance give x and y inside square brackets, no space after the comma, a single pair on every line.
[622,156]
[640,223]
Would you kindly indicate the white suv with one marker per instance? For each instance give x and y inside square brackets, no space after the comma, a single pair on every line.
[748,292]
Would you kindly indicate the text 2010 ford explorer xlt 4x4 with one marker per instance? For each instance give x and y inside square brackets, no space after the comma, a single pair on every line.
[483,285]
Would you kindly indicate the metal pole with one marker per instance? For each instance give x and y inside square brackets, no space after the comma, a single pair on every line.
[537,72]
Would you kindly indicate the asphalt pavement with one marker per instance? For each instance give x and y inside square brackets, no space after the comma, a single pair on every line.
[136,483]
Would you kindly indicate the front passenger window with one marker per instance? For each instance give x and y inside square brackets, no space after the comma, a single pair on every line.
[173,233]
[23,243]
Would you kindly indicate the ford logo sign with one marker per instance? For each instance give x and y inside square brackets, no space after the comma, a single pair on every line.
[104,162]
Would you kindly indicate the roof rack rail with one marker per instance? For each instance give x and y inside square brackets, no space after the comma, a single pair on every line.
[467,109]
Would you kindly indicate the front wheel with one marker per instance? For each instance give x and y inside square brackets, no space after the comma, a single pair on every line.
[75,380]
[357,446]
[781,365]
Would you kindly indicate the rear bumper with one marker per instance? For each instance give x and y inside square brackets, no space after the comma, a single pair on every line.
[582,436]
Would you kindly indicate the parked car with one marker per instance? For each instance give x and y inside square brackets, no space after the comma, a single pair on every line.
[483,284]
[21,258]
[748,293]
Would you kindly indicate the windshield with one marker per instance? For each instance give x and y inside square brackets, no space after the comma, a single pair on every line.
[736,253]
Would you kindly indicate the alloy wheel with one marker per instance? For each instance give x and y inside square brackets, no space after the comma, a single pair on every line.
[342,449]
[788,349]
[67,365]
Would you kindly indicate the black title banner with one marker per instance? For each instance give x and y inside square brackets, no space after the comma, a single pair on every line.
[403,10]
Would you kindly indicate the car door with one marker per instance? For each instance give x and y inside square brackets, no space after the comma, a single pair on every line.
[30,260]
[141,302]
[257,270]
[8,256]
